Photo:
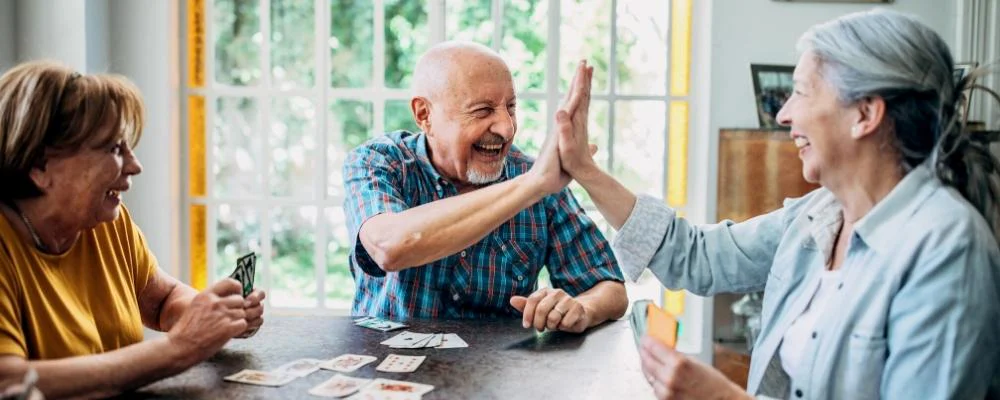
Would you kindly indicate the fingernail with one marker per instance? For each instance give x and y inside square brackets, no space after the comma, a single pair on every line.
[524,324]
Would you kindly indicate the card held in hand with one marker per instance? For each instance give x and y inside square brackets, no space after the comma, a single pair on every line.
[246,269]
[661,325]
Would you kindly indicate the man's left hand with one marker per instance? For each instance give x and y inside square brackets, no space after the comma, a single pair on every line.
[552,309]
[254,307]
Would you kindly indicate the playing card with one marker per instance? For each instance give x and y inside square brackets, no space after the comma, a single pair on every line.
[363,395]
[390,386]
[300,368]
[380,324]
[452,341]
[638,319]
[260,378]
[661,325]
[248,264]
[339,386]
[347,362]
[408,340]
[435,340]
[398,363]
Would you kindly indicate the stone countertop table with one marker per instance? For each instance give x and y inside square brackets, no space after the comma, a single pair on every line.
[503,361]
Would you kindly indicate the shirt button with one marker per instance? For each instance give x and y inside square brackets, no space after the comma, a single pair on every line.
[438,187]
[463,253]
[503,247]
[520,277]
[814,335]
[840,285]
[798,392]
[455,296]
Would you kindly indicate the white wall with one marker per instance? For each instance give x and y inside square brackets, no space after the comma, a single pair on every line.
[765,31]
[143,46]
[52,29]
[8,30]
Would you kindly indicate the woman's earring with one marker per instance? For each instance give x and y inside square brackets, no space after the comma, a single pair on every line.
[855,130]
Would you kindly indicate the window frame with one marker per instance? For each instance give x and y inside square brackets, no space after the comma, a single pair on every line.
[377,94]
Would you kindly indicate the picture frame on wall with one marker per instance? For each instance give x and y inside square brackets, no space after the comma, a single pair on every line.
[772,85]
[960,71]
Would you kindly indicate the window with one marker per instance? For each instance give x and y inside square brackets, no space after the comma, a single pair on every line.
[280,90]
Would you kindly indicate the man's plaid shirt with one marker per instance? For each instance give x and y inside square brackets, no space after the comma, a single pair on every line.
[393,172]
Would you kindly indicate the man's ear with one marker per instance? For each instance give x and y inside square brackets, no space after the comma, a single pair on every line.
[421,109]
[871,115]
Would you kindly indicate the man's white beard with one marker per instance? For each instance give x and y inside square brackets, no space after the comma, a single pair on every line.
[478,178]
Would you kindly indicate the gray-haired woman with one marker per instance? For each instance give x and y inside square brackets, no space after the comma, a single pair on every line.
[885,282]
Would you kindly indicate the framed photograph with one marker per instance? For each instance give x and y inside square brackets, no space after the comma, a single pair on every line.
[772,85]
[963,69]
[960,71]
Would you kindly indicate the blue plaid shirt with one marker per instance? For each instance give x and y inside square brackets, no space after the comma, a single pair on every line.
[393,173]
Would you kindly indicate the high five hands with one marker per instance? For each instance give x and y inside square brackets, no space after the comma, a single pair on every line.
[567,154]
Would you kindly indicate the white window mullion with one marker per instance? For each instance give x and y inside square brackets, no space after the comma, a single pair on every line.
[264,102]
[612,86]
[552,65]
[497,15]
[322,14]
[436,21]
[378,65]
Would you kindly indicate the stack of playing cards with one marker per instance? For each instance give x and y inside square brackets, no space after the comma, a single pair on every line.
[378,324]
[246,268]
[260,378]
[414,340]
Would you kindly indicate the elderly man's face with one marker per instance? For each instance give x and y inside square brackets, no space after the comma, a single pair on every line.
[472,123]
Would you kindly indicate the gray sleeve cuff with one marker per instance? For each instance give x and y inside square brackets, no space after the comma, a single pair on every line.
[641,236]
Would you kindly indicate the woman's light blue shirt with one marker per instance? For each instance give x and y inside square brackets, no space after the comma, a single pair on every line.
[917,316]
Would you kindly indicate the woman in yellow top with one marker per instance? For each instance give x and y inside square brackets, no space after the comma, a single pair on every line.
[77,281]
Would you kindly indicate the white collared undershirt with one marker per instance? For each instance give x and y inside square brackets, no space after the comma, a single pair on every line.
[800,332]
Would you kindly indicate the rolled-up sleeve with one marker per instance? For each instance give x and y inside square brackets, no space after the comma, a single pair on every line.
[704,259]
[371,187]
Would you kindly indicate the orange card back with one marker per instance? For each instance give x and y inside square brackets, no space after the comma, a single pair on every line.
[661,325]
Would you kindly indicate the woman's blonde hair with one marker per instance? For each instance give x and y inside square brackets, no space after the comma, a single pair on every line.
[47,108]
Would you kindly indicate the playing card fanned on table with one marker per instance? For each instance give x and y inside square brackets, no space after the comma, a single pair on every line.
[378,324]
[414,340]
[347,362]
[260,378]
[339,386]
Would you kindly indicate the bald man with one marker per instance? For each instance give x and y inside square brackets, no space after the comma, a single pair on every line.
[456,222]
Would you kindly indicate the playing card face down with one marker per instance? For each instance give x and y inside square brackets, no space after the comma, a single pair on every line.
[260,378]
[398,363]
[339,386]
[347,362]
[661,325]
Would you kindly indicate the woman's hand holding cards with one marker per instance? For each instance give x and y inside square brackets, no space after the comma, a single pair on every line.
[253,305]
[214,316]
[552,309]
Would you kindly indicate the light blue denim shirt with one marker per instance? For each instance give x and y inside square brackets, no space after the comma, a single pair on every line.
[917,315]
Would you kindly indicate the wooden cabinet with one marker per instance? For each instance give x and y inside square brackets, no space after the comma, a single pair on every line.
[758,169]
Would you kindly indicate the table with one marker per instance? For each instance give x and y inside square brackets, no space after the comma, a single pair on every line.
[503,361]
